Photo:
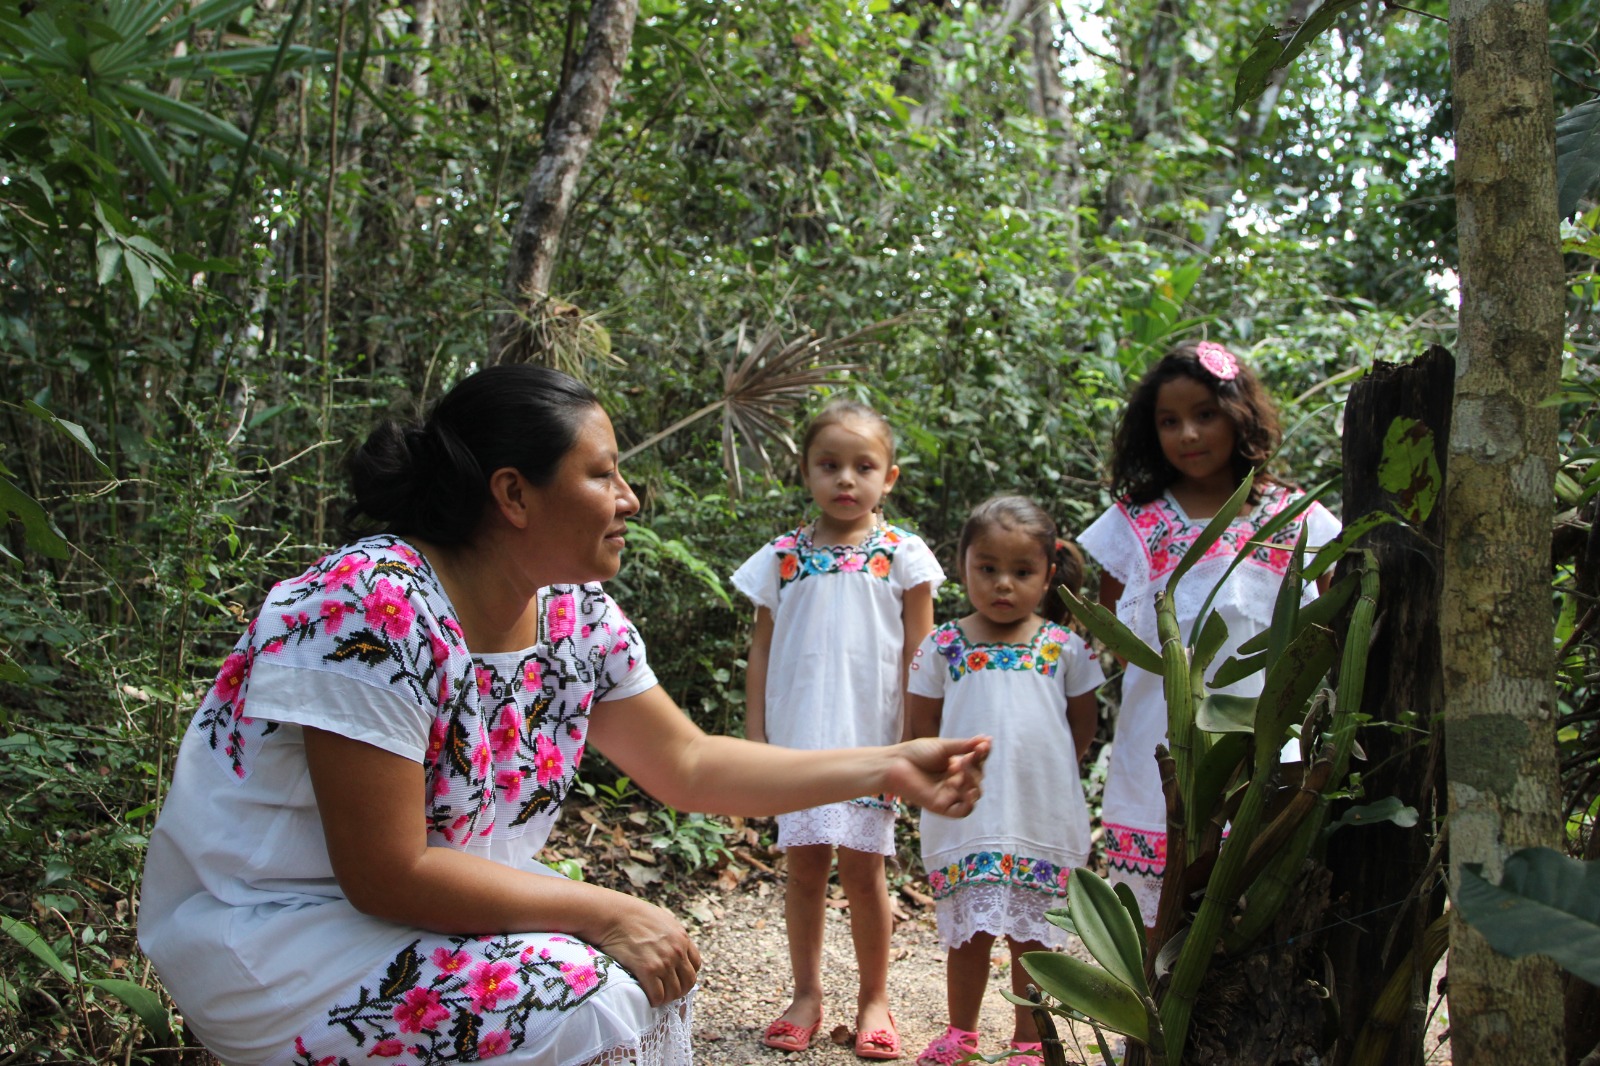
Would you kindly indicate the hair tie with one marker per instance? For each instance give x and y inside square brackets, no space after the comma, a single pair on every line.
[1217,360]
[1061,545]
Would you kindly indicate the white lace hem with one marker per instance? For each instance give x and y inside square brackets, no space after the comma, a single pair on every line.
[841,825]
[999,910]
[668,1042]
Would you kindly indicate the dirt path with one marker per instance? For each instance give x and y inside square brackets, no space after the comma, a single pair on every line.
[744,983]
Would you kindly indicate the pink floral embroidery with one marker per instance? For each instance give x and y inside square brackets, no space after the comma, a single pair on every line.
[347,570]
[485,680]
[388,609]
[420,1011]
[561,618]
[579,978]
[492,1044]
[387,1049]
[490,983]
[852,562]
[532,675]
[546,759]
[503,738]
[450,961]
[509,782]
[231,678]
[333,612]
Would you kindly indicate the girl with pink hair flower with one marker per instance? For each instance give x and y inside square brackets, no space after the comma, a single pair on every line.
[1196,425]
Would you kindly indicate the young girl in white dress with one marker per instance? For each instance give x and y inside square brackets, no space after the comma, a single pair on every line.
[841,603]
[1196,424]
[1028,682]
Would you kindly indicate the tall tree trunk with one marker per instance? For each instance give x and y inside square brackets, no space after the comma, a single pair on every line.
[1497,626]
[1050,104]
[1157,65]
[1376,867]
[584,100]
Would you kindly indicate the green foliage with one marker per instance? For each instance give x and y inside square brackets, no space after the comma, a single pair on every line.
[1577,156]
[1545,904]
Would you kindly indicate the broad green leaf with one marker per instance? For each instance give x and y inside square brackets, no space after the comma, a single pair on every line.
[35,944]
[108,255]
[1320,611]
[143,1002]
[1061,919]
[1111,630]
[1545,904]
[1262,62]
[1577,156]
[1409,469]
[1222,713]
[1236,669]
[144,282]
[1388,809]
[1115,941]
[1208,536]
[36,525]
[1131,905]
[1087,988]
[1216,771]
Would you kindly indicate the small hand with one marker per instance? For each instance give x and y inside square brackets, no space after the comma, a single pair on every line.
[940,775]
[652,945]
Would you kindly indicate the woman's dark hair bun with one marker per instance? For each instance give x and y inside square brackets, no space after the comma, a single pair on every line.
[430,478]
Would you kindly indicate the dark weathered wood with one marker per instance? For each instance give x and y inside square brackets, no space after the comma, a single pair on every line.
[1382,880]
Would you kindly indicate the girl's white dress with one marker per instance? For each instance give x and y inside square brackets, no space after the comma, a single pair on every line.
[1000,868]
[240,910]
[833,676]
[1140,544]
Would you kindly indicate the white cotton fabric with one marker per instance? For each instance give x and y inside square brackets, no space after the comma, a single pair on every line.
[240,910]
[834,673]
[1000,868]
[1140,545]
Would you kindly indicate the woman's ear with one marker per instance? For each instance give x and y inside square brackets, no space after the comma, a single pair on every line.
[508,496]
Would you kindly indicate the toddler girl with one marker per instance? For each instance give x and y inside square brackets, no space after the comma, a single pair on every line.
[841,604]
[1029,683]
[1196,424]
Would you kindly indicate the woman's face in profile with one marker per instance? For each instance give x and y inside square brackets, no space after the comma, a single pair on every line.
[580,519]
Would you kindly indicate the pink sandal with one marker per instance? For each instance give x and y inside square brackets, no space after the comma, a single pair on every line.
[787,1036]
[879,1043]
[1026,1056]
[949,1049]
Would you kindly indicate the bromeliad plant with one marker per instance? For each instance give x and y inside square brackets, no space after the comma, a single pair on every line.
[1221,772]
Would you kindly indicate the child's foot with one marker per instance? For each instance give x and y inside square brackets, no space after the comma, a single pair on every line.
[949,1049]
[878,1042]
[1026,1053]
[794,1029]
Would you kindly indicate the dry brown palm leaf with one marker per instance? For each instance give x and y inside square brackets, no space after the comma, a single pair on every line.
[761,388]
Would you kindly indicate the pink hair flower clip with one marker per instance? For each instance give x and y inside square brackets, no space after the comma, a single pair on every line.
[1218,361]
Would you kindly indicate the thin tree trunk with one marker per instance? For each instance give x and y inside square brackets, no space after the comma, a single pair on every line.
[1157,65]
[582,106]
[1497,627]
[1050,103]
[1376,867]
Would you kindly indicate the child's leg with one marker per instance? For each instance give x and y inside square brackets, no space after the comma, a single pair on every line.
[807,886]
[1025,1031]
[966,979]
[871,925]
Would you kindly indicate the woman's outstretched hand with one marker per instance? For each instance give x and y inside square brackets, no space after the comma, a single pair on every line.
[940,775]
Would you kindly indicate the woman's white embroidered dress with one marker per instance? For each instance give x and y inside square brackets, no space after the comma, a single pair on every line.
[1140,545]
[240,911]
[1000,868]
[834,673]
